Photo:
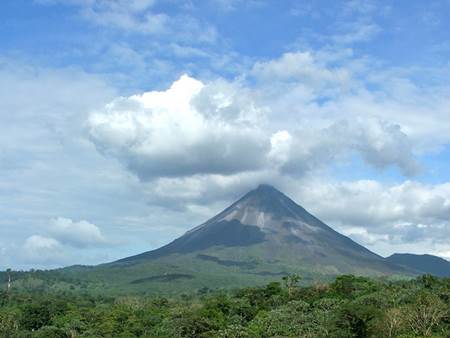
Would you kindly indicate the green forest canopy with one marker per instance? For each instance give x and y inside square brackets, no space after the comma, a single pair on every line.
[348,307]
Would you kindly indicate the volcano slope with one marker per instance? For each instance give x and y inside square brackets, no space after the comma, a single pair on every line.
[261,237]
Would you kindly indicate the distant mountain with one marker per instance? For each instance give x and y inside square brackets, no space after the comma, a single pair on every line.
[267,226]
[260,238]
[423,263]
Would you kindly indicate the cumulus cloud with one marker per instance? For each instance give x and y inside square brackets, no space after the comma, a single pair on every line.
[220,128]
[381,145]
[321,101]
[57,244]
[78,234]
[170,134]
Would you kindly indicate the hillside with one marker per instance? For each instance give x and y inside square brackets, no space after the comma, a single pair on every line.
[425,263]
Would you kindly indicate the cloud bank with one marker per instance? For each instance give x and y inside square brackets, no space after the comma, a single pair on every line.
[194,128]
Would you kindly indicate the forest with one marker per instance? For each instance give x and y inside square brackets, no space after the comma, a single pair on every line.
[349,306]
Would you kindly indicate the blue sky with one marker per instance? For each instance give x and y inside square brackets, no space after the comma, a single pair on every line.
[125,123]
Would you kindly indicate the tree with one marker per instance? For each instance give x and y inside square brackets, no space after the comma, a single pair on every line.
[293,319]
[9,322]
[35,315]
[426,313]
[393,322]
[51,332]
[291,283]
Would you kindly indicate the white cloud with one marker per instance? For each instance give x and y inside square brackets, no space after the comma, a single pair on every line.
[364,7]
[57,245]
[357,21]
[442,253]
[408,212]
[318,88]
[42,250]
[78,234]
[304,69]
[203,190]
[219,128]
[379,143]
[188,129]
[140,16]
[280,147]
[127,15]
[61,173]
[357,32]
[362,235]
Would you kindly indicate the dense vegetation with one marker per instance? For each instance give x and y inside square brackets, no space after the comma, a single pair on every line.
[348,307]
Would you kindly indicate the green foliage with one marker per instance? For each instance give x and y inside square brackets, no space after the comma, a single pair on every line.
[51,332]
[348,307]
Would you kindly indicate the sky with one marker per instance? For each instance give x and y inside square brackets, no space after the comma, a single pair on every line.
[124,123]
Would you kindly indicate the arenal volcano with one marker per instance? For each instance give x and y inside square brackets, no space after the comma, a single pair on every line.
[262,236]
[268,220]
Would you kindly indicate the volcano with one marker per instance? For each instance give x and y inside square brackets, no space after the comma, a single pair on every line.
[262,236]
[258,239]
[270,223]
